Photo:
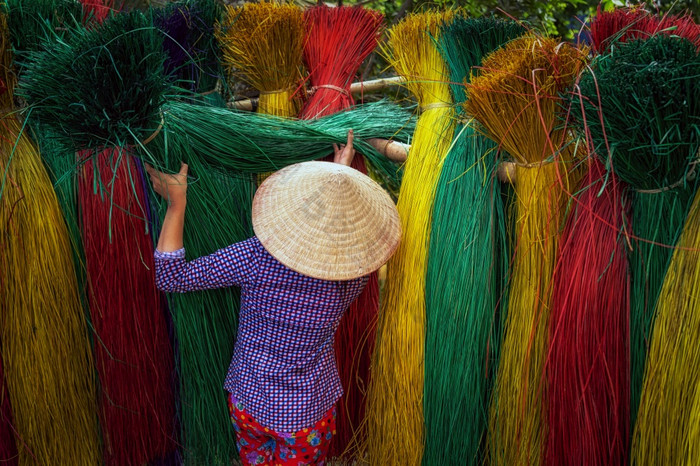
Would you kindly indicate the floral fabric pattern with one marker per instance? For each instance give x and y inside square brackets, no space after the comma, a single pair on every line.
[258,444]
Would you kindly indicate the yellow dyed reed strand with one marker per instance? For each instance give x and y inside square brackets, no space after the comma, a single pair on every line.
[47,359]
[516,98]
[49,368]
[262,43]
[395,395]
[667,428]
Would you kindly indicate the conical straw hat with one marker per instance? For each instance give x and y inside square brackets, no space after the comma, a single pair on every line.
[326,220]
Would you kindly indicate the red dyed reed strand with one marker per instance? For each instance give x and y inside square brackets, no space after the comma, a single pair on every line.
[625,24]
[133,353]
[98,8]
[588,359]
[337,42]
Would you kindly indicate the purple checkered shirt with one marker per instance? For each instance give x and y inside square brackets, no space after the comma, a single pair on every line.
[283,368]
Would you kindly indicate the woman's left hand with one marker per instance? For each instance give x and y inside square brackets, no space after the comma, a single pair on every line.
[345,153]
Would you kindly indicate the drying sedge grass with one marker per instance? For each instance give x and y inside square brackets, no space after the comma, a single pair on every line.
[45,347]
[338,39]
[395,396]
[463,285]
[206,321]
[254,143]
[588,357]
[47,361]
[99,87]
[666,431]
[516,98]
[642,109]
[262,44]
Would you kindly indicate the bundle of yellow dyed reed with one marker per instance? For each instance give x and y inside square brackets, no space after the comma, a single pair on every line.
[47,361]
[395,407]
[516,99]
[666,430]
[262,44]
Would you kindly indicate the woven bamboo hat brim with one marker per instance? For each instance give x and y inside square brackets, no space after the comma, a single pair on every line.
[326,220]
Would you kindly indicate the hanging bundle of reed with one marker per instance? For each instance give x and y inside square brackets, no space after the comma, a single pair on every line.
[338,39]
[667,430]
[253,143]
[463,286]
[262,44]
[100,86]
[47,361]
[588,356]
[395,395]
[133,350]
[219,215]
[517,98]
[640,103]
[659,156]
[133,353]
[337,42]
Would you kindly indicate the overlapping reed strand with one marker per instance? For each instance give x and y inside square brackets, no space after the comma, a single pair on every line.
[97,10]
[206,321]
[133,352]
[337,41]
[32,21]
[588,356]
[642,111]
[47,362]
[45,346]
[219,215]
[395,396]
[262,43]
[666,426]
[609,28]
[517,98]
[463,283]
[100,73]
[253,143]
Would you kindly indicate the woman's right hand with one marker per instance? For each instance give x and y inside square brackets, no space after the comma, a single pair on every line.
[171,187]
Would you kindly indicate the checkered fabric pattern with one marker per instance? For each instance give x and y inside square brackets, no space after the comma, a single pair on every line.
[283,368]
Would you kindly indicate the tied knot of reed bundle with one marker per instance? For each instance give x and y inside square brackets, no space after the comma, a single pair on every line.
[262,44]
[411,50]
[337,42]
[518,94]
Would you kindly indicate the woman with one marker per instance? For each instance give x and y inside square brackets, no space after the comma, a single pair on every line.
[320,229]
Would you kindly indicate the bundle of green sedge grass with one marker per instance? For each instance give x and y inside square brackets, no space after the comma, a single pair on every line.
[466,254]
